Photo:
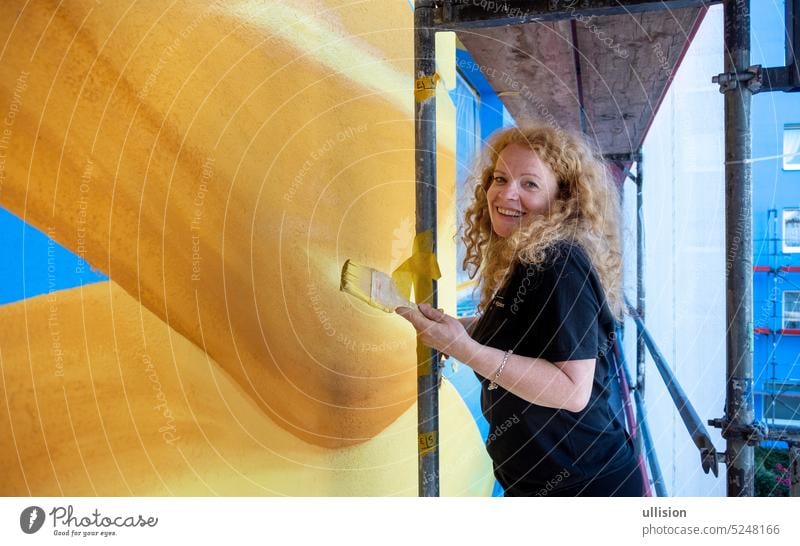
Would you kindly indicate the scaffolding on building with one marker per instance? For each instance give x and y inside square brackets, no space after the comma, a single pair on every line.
[619,121]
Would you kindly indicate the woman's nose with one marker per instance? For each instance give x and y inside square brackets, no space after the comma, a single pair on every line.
[510,191]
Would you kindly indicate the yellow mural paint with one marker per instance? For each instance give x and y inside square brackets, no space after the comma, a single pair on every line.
[214,160]
[227,183]
[155,415]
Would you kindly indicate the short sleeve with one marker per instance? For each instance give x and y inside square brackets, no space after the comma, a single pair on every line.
[559,308]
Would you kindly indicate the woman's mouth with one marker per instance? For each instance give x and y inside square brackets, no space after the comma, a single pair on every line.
[510,213]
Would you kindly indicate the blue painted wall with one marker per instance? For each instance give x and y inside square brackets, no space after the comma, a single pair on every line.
[33,264]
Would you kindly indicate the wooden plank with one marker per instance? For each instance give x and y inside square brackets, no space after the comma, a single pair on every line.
[626,65]
[531,69]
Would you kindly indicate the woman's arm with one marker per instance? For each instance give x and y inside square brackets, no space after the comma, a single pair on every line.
[566,384]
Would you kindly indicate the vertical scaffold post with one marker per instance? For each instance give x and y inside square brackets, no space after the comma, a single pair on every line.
[794,469]
[425,158]
[640,286]
[738,241]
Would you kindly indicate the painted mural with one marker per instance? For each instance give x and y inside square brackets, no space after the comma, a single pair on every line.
[218,162]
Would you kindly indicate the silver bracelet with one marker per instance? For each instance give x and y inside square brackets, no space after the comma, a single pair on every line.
[493,385]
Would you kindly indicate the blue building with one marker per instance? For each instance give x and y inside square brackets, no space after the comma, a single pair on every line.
[776,231]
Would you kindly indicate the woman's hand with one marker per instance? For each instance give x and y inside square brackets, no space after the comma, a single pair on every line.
[436,329]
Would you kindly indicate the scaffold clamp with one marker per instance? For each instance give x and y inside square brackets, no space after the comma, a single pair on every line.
[728,81]
[753,434]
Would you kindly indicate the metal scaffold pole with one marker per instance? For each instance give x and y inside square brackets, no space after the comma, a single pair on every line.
[794,470]
[425,158]
[640,284]
[738,425]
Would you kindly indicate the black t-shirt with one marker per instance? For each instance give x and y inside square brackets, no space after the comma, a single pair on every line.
[557,312]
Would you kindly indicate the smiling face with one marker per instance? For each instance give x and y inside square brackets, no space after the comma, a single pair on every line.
[522,186]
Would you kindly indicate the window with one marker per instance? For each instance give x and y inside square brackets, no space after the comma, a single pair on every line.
[791,147]
[791,230]
[782,402]
[791,310]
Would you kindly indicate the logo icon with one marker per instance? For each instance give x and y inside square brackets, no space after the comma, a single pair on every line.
[31,519]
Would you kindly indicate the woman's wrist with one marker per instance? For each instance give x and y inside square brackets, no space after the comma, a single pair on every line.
[466,350]
[484,360]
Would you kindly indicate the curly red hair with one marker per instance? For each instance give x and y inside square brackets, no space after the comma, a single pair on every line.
[586,212]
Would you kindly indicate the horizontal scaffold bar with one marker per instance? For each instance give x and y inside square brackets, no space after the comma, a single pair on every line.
[457,14]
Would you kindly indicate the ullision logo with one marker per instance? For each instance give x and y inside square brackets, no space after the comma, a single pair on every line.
[31,519]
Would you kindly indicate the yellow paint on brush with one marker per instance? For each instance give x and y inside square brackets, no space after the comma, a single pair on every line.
[100,397]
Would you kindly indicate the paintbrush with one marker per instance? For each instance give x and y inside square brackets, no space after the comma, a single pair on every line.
[373,287]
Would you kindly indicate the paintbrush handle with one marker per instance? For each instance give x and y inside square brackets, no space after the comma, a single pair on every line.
[385,293]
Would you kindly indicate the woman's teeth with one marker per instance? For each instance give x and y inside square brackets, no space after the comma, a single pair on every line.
[509,212]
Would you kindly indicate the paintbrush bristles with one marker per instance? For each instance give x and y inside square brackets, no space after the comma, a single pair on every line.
[357,281]
[372,287]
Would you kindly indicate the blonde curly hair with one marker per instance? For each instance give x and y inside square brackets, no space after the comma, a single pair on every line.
[586,212]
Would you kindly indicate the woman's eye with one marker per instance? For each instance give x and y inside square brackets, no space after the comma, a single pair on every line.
[531,184]
[498,179]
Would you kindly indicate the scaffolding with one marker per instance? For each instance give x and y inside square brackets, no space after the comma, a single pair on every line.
[738,83]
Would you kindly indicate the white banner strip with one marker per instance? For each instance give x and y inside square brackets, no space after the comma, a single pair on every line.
[371,521]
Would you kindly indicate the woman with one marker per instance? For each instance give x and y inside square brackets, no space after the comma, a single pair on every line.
[542,231]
